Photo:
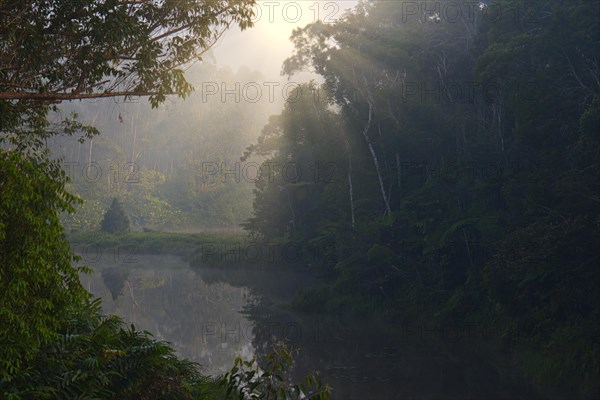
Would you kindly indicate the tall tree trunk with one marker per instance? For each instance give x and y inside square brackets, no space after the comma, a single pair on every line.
[365,134]
[350,185]
[134,133]
[89,163]
[399,175]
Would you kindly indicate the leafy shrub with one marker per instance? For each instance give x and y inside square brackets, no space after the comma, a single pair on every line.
[246,380]
[97,357]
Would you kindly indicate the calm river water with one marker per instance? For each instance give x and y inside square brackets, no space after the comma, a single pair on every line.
[212,316]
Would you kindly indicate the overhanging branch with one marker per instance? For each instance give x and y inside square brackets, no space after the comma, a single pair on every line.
[73,96]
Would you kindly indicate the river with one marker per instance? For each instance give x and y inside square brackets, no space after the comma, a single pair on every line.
[211,316]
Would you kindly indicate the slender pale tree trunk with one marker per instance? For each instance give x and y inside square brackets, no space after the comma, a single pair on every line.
[89,163]
[365,134]
[350,185]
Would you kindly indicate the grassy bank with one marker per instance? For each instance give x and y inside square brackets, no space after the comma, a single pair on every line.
[166,243]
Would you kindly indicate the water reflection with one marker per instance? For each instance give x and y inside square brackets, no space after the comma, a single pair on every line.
[211,316]
[164,296]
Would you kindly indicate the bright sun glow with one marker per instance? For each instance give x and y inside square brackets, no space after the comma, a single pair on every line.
[266,45]
[277,19]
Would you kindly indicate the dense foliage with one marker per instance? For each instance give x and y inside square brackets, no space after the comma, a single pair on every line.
[466,160]
[38,284]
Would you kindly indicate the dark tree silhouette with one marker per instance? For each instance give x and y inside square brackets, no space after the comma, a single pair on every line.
[115,220]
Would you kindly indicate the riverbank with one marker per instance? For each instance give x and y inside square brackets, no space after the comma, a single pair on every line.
[126,245]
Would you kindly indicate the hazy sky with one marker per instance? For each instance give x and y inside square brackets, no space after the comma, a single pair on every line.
[265,46]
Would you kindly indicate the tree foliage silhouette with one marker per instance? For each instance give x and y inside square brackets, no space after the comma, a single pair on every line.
[115,220]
